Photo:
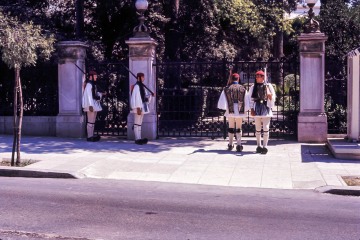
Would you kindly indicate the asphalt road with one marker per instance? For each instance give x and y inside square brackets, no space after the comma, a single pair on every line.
[104,209]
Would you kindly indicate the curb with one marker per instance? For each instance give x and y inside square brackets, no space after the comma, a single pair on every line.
[33,173]
[344,191]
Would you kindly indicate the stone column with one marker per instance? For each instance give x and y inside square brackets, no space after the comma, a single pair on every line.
[353,99]
[141,59]
[70,121]
[312,119]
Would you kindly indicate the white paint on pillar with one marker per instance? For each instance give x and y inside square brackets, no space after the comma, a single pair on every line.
[353,98]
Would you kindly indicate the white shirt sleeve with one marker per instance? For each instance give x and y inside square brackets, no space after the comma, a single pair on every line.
[136,101]
[87,99]
[271,103]
[222,103]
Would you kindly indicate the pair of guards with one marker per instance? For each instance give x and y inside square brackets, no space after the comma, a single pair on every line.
[139,101]
[237,101]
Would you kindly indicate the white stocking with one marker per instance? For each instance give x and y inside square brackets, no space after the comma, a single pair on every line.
[266,126]
[258,131]
[137,126]
[238,130]
[266,138]
[90,125]
[232,127]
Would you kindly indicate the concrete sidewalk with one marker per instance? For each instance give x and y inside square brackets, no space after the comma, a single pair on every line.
[288,164]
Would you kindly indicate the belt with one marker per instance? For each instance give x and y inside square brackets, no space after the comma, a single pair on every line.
[260,101]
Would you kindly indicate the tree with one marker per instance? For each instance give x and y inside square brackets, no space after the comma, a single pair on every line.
[21,44]
[340,21]
[185,30]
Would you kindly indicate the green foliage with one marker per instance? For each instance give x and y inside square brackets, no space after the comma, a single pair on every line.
[241,15]
[202,30]
[341,24]
[22,43]
[337,119]
[290,83]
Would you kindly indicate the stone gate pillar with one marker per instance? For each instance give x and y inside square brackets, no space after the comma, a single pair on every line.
[353,98]
[70,120]
[141,59]
[312,119]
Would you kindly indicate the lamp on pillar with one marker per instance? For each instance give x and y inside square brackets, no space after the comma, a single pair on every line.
[311,25]
[141,30]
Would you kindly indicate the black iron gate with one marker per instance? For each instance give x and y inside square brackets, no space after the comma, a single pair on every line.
[188,92]
[335,96]
[113,78]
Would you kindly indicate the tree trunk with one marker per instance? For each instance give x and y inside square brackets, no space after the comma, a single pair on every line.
[173,38]
[21,113]
[15,125]
[79,9]
[172,33]
[278,53]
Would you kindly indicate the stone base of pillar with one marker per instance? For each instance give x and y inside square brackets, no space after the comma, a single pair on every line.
[312,127]
[343,149]
[72,126]
[148,128]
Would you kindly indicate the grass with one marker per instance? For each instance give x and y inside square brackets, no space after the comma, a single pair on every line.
[23,163]
[352,180]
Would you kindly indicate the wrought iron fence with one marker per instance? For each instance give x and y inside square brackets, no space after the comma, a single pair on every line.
[188,94]
[336,97]
[40,90]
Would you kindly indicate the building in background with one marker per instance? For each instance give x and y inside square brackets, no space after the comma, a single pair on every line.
[302,9]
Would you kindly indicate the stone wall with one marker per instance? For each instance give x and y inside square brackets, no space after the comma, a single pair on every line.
[31,126]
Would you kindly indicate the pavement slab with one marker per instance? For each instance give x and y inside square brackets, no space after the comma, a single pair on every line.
[288,164]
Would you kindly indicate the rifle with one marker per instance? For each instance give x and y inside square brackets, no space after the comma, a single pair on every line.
[266,81]
[99,89]
[152,93]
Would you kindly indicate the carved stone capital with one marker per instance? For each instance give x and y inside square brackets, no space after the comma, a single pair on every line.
[312,47]
[312,42]
[142,47]
[71,49]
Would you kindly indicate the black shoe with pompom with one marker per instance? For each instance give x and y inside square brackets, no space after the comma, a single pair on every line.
[239,148]
[258,149]
[264,150]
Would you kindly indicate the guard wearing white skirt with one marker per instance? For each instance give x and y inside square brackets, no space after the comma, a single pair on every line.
[234,100]
[139,102]
[91,105]
[262,99]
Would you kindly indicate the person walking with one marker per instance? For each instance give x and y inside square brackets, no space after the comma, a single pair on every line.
[234,101]
[91,105]
[262,99]
[139,102]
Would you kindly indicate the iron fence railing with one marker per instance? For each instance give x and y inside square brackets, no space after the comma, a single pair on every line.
[188,94]
[40,90]
[336,96]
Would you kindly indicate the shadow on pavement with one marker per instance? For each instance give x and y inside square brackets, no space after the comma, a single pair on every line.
[320,153]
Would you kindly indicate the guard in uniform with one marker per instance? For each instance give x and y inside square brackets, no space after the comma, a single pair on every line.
[139,102]
[234,100]
[262,99]
[91,105]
